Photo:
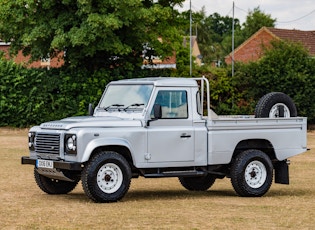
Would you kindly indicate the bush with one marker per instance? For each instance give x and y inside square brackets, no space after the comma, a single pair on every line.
[32,96]
[285,68]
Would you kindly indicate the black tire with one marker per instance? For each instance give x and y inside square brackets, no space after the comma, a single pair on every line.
[275,104]
[54,186]
[251,173]
[197,183]
[106,177]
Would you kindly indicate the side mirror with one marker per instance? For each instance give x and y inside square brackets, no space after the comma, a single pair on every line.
[91,109]
[157,111]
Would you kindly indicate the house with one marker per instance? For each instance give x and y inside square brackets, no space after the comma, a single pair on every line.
[156,62]
[21,59]
[195,49]
[170,62]
[252,48]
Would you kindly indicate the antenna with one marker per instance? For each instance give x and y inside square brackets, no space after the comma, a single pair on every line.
[190,41]
[233,42]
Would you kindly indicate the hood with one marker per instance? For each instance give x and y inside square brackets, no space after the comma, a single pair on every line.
[89,121]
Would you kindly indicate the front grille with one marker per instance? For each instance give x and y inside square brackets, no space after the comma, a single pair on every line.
[47,143]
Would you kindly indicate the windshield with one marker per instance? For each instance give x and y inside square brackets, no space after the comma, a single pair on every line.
[123,97]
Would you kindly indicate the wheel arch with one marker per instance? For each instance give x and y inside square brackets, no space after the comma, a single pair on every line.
[120,146]
[260,144]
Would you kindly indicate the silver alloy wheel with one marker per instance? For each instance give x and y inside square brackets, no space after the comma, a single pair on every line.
[255,174]
[274,111]
[109,178]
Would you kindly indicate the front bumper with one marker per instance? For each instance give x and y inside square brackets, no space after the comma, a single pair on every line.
[72,166]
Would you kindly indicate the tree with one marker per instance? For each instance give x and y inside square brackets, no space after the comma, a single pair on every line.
[219,28]
[255,20]
[210,31]
[94,34]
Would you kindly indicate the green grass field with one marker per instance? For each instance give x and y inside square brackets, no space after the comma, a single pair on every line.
[153,203]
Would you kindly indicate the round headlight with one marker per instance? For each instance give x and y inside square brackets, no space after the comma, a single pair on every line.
[71,145]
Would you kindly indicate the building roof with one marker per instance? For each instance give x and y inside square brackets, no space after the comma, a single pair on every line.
[186,40]
[307,38]
[3,43]
[251,49]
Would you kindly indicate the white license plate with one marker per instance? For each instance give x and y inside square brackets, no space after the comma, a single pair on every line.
[44,164]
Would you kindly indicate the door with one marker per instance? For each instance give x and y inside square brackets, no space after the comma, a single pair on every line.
[171,137]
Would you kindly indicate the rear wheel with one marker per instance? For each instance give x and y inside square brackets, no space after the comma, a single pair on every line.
[107,177]
[54,186]
[274,105]
[251,173]
[197,183]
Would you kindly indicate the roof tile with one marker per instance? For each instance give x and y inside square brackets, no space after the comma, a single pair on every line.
[307,38]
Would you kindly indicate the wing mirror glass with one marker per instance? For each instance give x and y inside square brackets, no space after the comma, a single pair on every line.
[157,111]
[91,110]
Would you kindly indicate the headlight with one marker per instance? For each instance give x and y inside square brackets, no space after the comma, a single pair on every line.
[31,141]
[71,143]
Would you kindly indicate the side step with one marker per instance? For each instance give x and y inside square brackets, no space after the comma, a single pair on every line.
[192,173]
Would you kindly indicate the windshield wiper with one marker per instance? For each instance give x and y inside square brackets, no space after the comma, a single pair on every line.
[113,105]
[133,105]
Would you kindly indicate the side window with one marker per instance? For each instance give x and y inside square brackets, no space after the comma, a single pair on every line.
[198,102]
[173,103]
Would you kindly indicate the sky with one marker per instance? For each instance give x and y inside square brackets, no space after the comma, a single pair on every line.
[290,14]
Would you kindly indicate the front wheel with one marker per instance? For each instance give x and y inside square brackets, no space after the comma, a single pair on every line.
[54,186]
[107,177]
[251,173]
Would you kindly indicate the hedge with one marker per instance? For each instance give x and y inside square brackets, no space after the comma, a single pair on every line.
[32,96]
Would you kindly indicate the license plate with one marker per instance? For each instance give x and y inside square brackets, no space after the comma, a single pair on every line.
[44,164]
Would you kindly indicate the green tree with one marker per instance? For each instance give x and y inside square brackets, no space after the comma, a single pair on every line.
[210,31]
[255,20]
[94,34]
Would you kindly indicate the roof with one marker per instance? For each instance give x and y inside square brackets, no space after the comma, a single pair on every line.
[307,38]
[186,40]
[3,43]
[251,49]
[159,81]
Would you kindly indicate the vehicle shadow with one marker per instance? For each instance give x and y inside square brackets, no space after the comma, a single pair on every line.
[141,195]
[137,195]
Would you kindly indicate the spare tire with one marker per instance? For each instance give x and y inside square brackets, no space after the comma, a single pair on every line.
[274,105]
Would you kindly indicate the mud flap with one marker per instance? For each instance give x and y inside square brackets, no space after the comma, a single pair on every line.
[282,172]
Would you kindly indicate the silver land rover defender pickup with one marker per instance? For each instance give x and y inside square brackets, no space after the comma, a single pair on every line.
[158,127]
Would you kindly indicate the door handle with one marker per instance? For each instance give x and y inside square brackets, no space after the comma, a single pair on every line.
[184,135]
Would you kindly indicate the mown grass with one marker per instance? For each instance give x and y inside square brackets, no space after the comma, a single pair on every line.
[153,203]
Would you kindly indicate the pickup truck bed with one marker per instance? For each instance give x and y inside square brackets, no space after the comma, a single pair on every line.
[287,135]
